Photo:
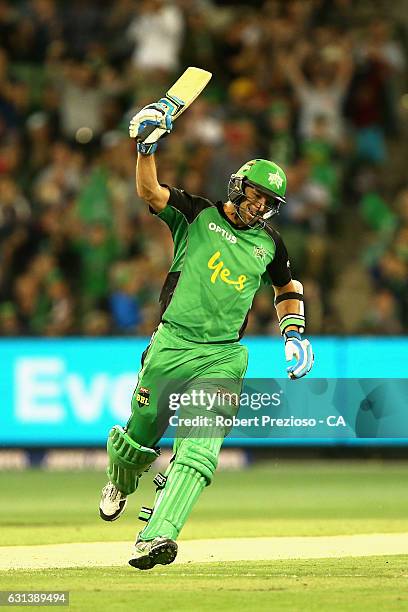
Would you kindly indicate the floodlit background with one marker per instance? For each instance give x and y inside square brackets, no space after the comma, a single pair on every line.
[319,86]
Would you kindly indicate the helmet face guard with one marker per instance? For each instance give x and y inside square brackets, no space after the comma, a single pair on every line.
[268,179]
[236,195]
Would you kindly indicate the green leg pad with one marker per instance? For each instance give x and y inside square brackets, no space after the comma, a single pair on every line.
[127,460]
[193,468]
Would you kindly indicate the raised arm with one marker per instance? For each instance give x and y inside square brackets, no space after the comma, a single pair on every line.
[292,66]
[147,185]
[345,67]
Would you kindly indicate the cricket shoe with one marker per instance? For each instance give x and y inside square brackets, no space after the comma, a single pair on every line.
[113,503]
[153,552]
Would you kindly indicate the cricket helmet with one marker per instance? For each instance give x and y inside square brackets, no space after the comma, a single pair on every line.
[264,175]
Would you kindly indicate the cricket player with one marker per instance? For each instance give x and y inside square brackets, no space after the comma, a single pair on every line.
[222,254]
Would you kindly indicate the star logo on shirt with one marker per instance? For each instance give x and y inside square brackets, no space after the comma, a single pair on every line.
[275,179]
[260,252]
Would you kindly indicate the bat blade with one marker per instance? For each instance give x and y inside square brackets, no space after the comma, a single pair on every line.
[188,87]
[180,95]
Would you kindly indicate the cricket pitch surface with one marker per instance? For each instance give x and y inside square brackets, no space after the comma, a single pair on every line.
[108,554]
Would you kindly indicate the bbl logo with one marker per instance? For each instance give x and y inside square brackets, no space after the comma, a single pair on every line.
[142,397]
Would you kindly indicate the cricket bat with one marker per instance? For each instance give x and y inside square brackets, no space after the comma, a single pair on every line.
[180,95]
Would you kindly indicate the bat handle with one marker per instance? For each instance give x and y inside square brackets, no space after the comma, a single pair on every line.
[145,133]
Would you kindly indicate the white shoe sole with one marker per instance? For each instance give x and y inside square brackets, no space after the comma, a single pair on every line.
[116,515]
[162,554]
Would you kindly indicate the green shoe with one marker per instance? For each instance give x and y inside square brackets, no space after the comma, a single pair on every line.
[153,552]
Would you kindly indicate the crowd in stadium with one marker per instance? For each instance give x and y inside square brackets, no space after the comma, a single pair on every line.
[315,86]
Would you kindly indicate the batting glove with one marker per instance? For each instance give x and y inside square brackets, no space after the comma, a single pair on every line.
[148,126]
[301,350]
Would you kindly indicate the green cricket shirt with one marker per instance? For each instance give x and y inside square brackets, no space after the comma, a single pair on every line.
[216,270]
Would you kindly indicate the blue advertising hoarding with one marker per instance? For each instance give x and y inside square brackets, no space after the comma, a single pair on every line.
[67,392]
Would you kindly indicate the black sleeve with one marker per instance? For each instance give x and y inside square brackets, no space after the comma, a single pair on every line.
[279,269]
[189,205]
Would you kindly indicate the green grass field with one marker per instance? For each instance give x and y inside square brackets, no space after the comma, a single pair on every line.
[273,499]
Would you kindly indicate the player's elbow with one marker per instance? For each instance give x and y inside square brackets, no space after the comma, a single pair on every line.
[155,198]
[292,286]
[283,288]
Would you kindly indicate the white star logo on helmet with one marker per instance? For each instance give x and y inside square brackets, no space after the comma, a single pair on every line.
[275,179]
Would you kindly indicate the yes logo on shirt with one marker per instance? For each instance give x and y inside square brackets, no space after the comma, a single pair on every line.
[223,273]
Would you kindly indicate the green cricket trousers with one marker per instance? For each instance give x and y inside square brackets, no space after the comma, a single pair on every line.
[172,365]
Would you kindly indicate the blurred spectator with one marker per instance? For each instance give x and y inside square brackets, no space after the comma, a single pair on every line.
[382,317]
[379,45]
[27,299]
[261,319]
[280,142]
[84,93]
[97,249]
[202,126]
[121,13]
[60,177]
[371,98]
[308,201]
[402,206]
[198,44]
[96,323]
[9,14]
[36,30]
[9,323]
[322,155]
[322,93]
[83,26]
[157,31]
[124,303]
[239,145]
[38,143]
[14,207]
[60,320]
[239,45]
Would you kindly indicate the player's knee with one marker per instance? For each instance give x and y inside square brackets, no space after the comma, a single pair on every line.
[127,453]
[127,460]
[200,455]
